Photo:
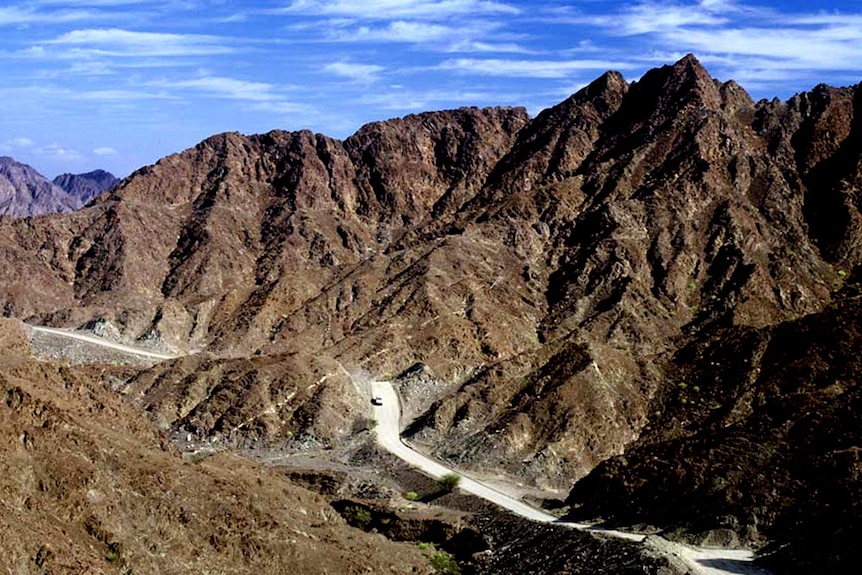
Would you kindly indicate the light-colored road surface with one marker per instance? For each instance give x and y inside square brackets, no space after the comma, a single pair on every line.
[102,342]
[701,561]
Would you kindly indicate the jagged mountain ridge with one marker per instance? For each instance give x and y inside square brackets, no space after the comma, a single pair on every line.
[547,270]
[86,187]
[25,192]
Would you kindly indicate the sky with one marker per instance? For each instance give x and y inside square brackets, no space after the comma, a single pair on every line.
[117,84]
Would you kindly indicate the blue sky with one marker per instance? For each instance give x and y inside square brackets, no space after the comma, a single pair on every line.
[120,83]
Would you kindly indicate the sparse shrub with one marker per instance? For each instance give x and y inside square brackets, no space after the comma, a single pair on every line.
[445,564]
[411,496]
[449,482]
[358,516]
[113,554]
[425,546]
[364,424]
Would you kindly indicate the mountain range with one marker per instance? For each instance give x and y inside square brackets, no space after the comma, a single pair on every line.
[649,291]
[26,192]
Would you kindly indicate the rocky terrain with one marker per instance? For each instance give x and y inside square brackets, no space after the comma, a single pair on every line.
[26,192]
[541,287]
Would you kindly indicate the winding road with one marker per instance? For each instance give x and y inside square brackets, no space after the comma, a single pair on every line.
[701,561]
[388,415]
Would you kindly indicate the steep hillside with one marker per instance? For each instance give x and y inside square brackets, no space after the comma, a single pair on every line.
[757,432]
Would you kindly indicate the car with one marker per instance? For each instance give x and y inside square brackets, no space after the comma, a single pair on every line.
[376,401]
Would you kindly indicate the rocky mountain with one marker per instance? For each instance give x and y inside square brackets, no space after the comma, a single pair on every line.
[86,187]
[26,192]
[553,280]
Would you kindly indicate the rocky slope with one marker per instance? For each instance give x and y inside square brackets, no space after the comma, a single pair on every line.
[756,432]
[86,187]
[548,273]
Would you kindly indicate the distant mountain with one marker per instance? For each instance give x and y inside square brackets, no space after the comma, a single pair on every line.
[25,192]
[87,187]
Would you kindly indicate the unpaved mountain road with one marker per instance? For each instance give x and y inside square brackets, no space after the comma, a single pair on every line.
[102,342]
[699,561]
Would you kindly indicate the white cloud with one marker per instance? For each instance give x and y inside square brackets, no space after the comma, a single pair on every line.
[260,96]
[756,45]
[528,68]
[126,43]
[226,88]
[647,17]
[395,9]
[354,71]
[401,31]
[105,151]
[19,143]
[26,15]
[412,100]
[58,152]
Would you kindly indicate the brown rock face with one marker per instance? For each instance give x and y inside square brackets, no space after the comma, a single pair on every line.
[548,272]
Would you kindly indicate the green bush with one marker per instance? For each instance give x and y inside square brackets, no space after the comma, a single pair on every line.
[449,482]
[358,516]
[411,496]
[445,564]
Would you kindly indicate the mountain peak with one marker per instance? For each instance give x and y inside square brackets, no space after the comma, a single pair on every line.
[86,187]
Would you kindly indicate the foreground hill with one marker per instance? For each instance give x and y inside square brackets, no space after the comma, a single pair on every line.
[26,192]
[548,274]
[89,486]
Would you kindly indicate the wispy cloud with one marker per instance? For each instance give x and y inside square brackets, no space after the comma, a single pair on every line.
[398,9]
[224,88]
[59,152]
[19,143]
[750,42]
[127,43]
[528,68]
[28,15]
[353,71]
[105,151]
[478,36]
